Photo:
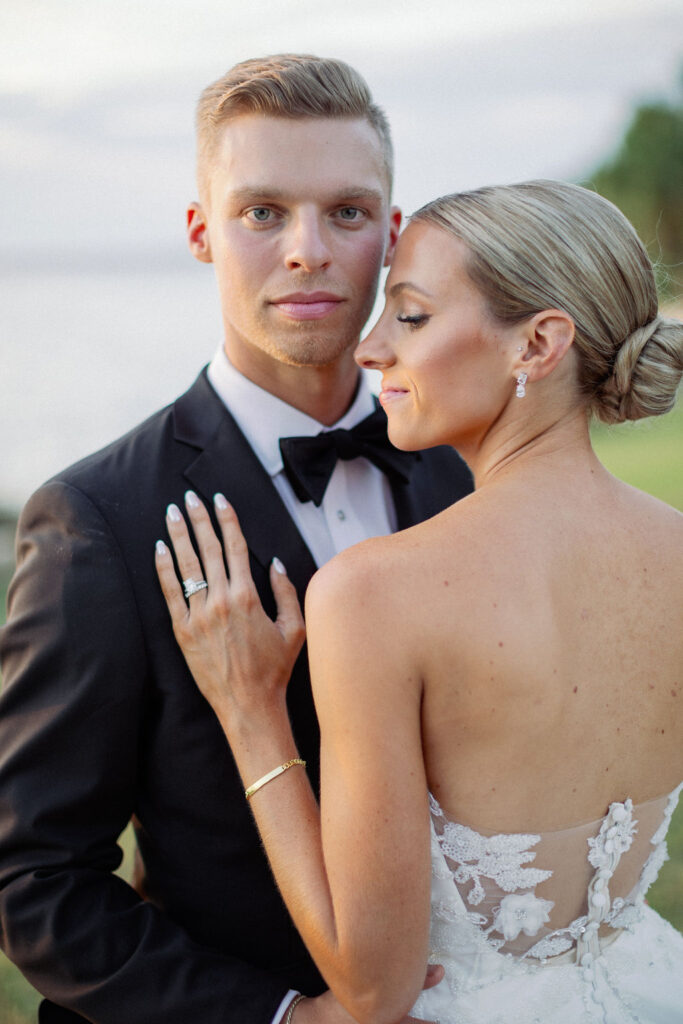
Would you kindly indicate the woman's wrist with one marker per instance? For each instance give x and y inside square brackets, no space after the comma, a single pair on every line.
[244,724]
[261,744]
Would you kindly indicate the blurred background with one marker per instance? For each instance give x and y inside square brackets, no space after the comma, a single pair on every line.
[104,315]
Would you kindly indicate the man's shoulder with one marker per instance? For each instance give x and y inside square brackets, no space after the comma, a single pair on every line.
[148,448]
[441,468]
[443,456]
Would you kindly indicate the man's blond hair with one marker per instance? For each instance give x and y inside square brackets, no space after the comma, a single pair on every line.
[290,85]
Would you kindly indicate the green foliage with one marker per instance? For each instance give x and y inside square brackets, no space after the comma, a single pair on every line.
[645,180]
[18,1000]
[647,454]
[5,576]
[666,895]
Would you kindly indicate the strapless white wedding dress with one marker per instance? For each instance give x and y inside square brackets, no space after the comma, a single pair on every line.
[553,928]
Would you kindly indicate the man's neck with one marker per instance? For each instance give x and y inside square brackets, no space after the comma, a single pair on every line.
[322,392]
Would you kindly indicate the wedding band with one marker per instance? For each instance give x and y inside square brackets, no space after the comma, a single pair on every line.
[191,587]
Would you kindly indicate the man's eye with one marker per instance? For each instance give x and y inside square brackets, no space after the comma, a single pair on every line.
[260,214]
[350,213]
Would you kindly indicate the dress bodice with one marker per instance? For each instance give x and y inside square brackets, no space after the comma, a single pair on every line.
[552,928]
[540,895]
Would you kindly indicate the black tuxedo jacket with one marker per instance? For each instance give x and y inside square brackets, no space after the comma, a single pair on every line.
[100,721]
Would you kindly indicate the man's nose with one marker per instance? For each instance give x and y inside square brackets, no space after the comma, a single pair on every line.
[308,247]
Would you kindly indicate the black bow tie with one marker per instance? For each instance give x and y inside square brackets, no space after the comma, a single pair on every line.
[310,461]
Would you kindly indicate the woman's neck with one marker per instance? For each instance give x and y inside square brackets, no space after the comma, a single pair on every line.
[534,444]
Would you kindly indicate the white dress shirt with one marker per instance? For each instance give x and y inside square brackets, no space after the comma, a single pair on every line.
[357,504]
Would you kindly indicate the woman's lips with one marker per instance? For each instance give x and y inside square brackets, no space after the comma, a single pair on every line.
[388,394]
[307,306]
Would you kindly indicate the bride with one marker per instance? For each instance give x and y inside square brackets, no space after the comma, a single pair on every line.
[499,689]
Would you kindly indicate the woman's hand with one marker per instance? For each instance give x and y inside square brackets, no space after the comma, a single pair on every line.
[241,660]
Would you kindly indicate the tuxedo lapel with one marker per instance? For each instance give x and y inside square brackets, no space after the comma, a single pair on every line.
[225,462]
[407,505]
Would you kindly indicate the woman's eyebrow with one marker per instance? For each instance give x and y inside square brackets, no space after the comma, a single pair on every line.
[401,286]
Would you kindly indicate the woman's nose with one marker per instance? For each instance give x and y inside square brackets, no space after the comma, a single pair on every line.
[374,352]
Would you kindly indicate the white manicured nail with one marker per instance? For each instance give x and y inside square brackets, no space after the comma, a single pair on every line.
[161,548]
[219,501]
[279,567]
[191,499]
[173,513]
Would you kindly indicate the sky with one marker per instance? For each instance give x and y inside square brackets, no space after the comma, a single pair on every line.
[97,100]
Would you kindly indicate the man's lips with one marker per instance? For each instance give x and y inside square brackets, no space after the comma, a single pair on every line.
[307,305]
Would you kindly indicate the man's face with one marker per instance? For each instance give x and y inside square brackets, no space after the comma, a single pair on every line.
[296,221]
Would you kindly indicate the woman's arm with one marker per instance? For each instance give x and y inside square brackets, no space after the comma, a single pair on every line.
[356,877]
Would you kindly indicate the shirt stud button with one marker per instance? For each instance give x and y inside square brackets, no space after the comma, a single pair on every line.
[341,514]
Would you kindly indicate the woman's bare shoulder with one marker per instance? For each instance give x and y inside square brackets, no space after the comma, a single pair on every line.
[358,576]
[387,574]
[657,525]
[662,513]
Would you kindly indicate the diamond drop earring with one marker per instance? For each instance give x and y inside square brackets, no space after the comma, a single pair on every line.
[521,385]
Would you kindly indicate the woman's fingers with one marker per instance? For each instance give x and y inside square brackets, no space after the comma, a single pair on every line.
[210,551]
[290,620]
[209,566]
[234,545]
[170,586]
[238,656]
[188,563]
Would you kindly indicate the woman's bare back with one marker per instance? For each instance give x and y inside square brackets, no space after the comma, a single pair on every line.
[548,635]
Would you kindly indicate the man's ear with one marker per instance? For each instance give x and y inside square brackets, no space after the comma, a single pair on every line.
[395,217]
[198,234]
[548,336]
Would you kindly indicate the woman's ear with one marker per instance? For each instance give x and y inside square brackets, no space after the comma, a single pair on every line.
[548,336]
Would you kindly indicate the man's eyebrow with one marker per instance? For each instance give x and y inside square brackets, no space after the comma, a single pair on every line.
[402,286]
[355,192]
[253,193]
[257,193]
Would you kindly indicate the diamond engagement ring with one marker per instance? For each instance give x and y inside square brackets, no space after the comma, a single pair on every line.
[191,587]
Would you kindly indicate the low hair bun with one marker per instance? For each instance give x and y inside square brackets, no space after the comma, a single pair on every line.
[646,373]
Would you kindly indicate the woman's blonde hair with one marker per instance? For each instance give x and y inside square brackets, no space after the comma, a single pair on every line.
[549,245]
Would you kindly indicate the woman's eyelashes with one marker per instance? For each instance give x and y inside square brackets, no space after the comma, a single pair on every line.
[416,320]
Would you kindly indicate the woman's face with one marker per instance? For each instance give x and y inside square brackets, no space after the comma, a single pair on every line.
[445,362]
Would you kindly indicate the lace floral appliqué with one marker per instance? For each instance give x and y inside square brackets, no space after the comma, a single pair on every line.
[521,913]
[500,858]
[615,836]
[493,934]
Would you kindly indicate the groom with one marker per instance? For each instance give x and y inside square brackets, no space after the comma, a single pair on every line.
[100,721]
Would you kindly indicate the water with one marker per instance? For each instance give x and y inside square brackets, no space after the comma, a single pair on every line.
[86,355]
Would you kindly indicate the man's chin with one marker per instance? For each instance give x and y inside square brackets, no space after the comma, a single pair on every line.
[316,352]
